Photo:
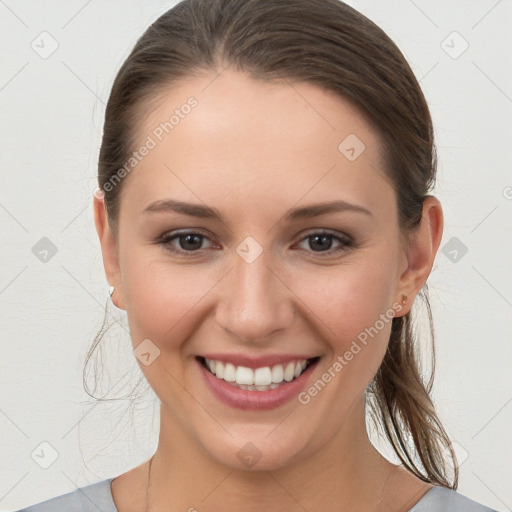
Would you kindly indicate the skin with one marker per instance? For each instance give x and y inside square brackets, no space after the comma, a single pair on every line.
[254,150]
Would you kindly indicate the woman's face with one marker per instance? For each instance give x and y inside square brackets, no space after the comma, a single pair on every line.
[227,251]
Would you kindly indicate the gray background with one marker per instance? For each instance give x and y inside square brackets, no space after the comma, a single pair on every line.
[52,303]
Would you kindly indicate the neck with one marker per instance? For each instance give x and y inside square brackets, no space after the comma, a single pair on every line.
[347,471]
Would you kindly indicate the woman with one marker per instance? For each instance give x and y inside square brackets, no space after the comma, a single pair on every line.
[266,220]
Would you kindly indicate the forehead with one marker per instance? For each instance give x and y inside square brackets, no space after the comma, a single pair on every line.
[256,142]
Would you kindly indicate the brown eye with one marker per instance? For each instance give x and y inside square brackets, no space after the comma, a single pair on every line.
[190,242]
[322,242]
[186,242]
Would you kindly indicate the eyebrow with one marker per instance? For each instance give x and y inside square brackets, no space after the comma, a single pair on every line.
[206,212]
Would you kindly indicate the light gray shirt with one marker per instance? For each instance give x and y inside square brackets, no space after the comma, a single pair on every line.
[98,498]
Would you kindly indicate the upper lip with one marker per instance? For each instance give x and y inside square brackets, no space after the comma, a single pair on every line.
[257,362]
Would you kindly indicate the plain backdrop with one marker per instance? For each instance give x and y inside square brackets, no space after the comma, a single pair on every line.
[54,438]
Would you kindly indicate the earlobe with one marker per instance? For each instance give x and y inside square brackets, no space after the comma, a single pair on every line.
[423,244]
[109,248]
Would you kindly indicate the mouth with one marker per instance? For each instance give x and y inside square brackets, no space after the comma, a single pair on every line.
[257,379]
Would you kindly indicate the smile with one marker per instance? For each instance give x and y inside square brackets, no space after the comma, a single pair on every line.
[262,383]
[256,379]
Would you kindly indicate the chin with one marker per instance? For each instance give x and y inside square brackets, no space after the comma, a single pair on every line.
[255,450]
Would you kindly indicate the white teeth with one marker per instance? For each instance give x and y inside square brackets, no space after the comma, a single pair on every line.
[263,376]
[219,369]
[244,376]
[289,372]
[252,388]
[277,373]
[259,379]
[229,373]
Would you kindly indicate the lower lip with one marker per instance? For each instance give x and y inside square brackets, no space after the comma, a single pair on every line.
[255,400]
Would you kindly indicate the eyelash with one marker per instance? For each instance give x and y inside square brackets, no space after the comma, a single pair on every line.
[345,241]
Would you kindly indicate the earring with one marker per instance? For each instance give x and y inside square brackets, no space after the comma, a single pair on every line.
[111,292]
[404,299]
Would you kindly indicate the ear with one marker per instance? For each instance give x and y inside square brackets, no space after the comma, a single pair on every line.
[421,251]
[109,249]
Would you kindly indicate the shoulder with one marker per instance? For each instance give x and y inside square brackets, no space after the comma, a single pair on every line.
[442,499]
[91,498]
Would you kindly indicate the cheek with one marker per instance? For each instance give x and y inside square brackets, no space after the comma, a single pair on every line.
[349,299]
[352,311]
[163,299]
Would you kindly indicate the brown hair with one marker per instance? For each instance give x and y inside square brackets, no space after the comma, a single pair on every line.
[327,43]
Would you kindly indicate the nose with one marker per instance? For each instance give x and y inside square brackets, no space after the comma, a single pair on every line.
[254,302]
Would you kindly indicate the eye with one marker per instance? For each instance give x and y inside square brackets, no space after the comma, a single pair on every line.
[190,243]
[186,242]
[322,241]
